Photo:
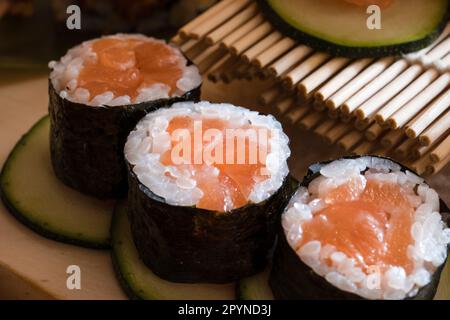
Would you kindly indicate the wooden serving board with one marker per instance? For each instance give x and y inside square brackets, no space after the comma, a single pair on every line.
[33,267]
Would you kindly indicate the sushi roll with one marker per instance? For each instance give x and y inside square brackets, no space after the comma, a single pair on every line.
[361,228]
[98,92]
[206,186]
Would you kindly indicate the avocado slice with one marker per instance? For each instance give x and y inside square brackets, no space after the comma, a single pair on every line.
[139,282]
[33,194]
[340,28]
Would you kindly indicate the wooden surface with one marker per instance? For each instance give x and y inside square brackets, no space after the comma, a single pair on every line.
[34,267]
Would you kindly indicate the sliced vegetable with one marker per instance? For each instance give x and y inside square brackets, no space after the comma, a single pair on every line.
[255,287]
[140,282]
[342,28]
[33,194]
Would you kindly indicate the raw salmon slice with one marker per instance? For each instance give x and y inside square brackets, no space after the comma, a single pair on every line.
[225,186]
[374,228]
[123,66]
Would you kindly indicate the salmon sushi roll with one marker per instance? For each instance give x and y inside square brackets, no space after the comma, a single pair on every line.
[98,92]
[206,185]
[361,228]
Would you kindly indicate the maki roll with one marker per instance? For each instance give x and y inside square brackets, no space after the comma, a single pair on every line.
[361,228]
[206,185]
[98,92]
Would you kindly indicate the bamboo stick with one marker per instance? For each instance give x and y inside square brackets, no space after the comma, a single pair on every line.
[416,55]
[325,126]
[188,45]
[439,51]
[231,25]
[350,140]
[215,69]
[250,39]
[408,111]
[361,125]
[388,92]
[336,132]
[290,59]
[405,148]
[284,104]
[242,31]
[442,151]
[441,126]
[406,95]
[374,86]
[370,73]
[342,78]
[310,121]
[317,105]
[242,71]
[269,55]
[206,65]
[346,118]
[298,113]
[374,131]
[392,138]
[436,167]
[421,150]
[365,148]
[196,50]
[213,22]
[321,75]
[270,95]
[305,68]
[420,165]
[249,55]
[177,40]
[382,152]
[333,114]
[184,31]
[206,54]
[430,114]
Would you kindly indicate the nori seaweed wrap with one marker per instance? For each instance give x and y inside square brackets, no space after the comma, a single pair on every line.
[292,278]
[87,138]
[192,241]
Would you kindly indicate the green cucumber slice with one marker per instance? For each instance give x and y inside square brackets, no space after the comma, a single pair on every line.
[34,195]
[341,28]
[255,287]
[139,282]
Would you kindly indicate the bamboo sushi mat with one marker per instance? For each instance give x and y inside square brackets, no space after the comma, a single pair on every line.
[391,106]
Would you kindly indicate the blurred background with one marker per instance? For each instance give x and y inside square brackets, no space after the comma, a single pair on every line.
[33,32]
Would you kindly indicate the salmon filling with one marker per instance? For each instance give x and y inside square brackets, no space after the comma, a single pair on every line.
[226,184]
[374,229]
[126,65]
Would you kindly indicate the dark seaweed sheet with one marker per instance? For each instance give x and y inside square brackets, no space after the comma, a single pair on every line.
[186,244]
[291,279]
[87,142]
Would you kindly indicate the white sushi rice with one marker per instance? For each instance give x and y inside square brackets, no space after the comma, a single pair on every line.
[64,74]
[150,140]
[430,235]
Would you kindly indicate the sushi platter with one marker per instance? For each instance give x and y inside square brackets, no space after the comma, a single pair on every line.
[144,165]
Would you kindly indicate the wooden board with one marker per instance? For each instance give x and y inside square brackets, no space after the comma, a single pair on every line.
[32,267]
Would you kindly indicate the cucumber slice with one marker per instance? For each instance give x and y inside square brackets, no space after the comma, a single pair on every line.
[139,282]
[255,287]
[339,27]
[33,194]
